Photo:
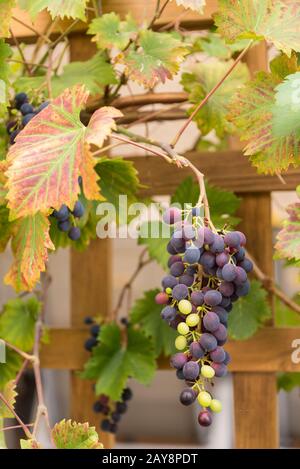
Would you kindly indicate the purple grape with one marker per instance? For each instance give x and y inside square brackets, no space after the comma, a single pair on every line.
[218,355]
[222,259]
[42,106]
[208,342]
[219,273]
[180,292]
[246,264]
[207,259]
[188,232]
[64,226]
[177,242]
[62,214]
[220,369]
[187,396]
[78,210]
[211,321]
[191,270]
[227,358]
[243,290]
[208,236]
[168,313]
[240,254]
[90,343]
[221,332]
[243,239]
[196,350]
[226,288]
[222,314]
[197,298]
[26,119]
[192,255]
[212,271]
[179,374]
[177,269]
[178,360]
[169,281]
[205,418]
[161,298]
[213,298]
[172,215]
[229,272]
[187,280]
[218,245]
[241,276]
[173,259]
[191,371]
[171,250]
[232,239]
[225,302]
[20,99]
[26,108]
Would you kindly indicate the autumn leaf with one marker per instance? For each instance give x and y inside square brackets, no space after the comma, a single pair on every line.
[50,154]
[277,21]
[196,5]
[156,59]
[69,8]
[6,7]
[9,393]
[288,239]
[30,444]
[72,435]
[30,246]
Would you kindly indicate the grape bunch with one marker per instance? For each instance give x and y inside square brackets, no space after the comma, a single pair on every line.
[208,273]
[66,219]
[113,411]
[92,341]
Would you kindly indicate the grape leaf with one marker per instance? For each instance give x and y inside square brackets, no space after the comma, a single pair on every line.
[110,32]
[17,322]
[10,368]
[52,151]
[286,110]
[277,21]
[288,239]
[5,52]
[72,435]
[62,8]
[155,59]
[30,444]
[97,73]
[282,65]
[285,316]
[288,381]
[114,360]
[249,313]
[215,46]
[10,394]
[6,7]
[6,227]
[200,80]
[30,245]
[251,110]
[196,5]
[146,313]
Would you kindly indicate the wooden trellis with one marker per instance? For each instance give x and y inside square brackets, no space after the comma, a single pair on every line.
[256,361]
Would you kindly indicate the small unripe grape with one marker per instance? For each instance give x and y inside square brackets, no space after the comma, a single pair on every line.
[183,328]
[169,290]
[192,320]
[205,418]
[207,371]
[180,342]
[216,405]
[204,398]
[185,306]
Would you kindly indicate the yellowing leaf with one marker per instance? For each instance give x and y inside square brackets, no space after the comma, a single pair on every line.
[48,156]
[196,5]
[30,444]
[277,21]
[288,239]
[61,8]
[10,394]
[30,247]
[156,59]
[111,32]
[6,7]
[72,435]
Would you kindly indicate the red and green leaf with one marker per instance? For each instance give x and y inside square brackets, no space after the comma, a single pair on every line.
[72,435]
[288,239]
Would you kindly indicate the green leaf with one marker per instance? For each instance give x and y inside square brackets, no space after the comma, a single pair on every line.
[249,313]
[61,8]
[186,193]
[5,227]
[110,32]
[114,360]
[72,435]
[6,7]
[288,381]
[10,368]
[274,20]
[17,322]
[10,394]
[251,110]
[286,111]
[5,52]
[200,80]
[288,239]
[215,46]
[156,235]
[97,73]
[285,316]
[282,65]
[156,58]
[146,313]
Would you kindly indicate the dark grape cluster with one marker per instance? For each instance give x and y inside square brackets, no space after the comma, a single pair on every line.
[66,219]
[92,341]
[112,411]
[208,273]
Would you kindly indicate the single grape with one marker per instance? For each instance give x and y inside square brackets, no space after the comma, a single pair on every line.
[172,215]
[188,232]
[105,425]
[20,99]
[64,226]
[179,374]
[243,240]
[94,330]
[246,264]
[185,306]
[183,328]
[121,407]
[180,342]
[232,239]
[207,371]
[208,342]
[180,292]
[191,371]
[208,236]
[242,290]
[169,281]
[62,214]
[187,280]
[90,343]
[227,359]
[220,369]
[103,399]
[205,418]
[161,298]
[241,276]
[204,398]
[211,321]
[222,259]
[26,119]
[74,233]
[116,417]
[78,210]
[212,298]
[178,360]
[177,269]
[187,396]
[26,108]
[222,314]
[226,288]
[218,245]
[229,272]
[127,394]
[197,298]
[88,320]
[171,250]
[216,406]
[240,254]
[207,259]
[192,255]
[218,355]
[98,407]
[168,313]
[172,259]
[192,320]
[196,350]
[221,332]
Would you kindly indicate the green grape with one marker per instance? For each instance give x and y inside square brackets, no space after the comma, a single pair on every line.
[169,290]
[216,405]
[192,320]
[183,328]
[207,371]
[185,306]
[180,342]
[204,399]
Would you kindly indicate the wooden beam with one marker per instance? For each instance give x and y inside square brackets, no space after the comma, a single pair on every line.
[268,351]
[228,169]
